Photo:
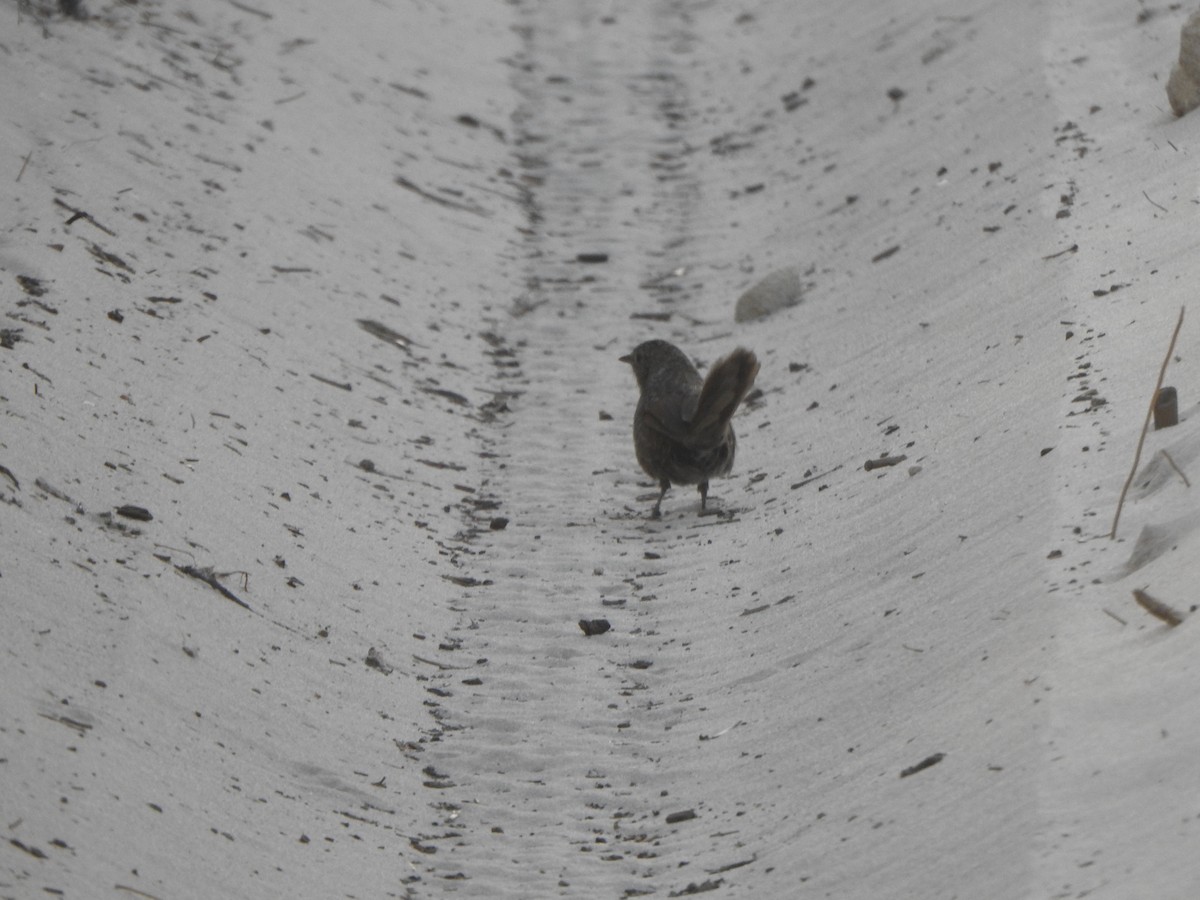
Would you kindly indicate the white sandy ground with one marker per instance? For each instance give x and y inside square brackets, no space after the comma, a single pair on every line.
[212,195]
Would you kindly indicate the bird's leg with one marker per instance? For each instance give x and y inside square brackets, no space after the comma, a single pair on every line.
[656,512]
[703,494]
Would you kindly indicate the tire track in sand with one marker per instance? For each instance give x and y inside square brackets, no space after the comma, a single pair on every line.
[551,776]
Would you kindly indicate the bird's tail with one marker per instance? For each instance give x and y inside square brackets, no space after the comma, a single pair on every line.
[727,384]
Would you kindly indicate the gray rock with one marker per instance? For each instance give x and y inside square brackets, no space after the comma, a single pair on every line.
[1183,87]
[777,291]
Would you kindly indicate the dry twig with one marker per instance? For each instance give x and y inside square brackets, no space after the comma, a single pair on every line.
[1157,608]
[1178,471]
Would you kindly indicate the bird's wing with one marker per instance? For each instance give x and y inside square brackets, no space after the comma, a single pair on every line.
[670,414]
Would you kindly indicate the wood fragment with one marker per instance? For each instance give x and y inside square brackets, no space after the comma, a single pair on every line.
[467,581]
[25,162]
[77,214]
[1074,248]
[733,865]
[1166,408]
[1137,456]
[883,462]
[682,816]
[387,334]
[817,477]
[1157,608]
[35,852]
[134,891]
[250,9]
[453,396]
[437,198]
[433,662]
[342,385]
[208,577]
[52,490]
[74,724]
[932,760]
[107,258]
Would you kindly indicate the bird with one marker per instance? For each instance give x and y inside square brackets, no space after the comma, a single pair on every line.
[681,427]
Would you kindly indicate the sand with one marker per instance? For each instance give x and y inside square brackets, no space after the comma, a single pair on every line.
[316,450]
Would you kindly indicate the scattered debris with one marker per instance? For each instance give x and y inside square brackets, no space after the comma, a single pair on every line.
[811,478]
[34,287]
[207,575]
[437,780]
[80,728]
[35,852]
[50,489]
[77,214]
[137,513]
[883,462]
[693,888]
[467,581]
[1109,612]
[594,626]
[375,661]
[387,334]
[884,254]
[341,385]
[682,816]
[7,473]
[1074,248]
[435,198]
[454,397]
[472,122]
[1157,608]
[931,760]
[111,259]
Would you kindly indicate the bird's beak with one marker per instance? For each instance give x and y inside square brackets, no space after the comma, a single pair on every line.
[627,358]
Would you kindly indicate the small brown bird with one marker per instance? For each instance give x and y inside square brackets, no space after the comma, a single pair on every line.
[681,430]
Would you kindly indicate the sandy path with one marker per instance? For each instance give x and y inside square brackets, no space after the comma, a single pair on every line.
[743,677]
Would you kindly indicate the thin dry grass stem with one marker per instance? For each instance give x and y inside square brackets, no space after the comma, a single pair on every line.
[1178,471]
[1137,456]
[1115,616]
